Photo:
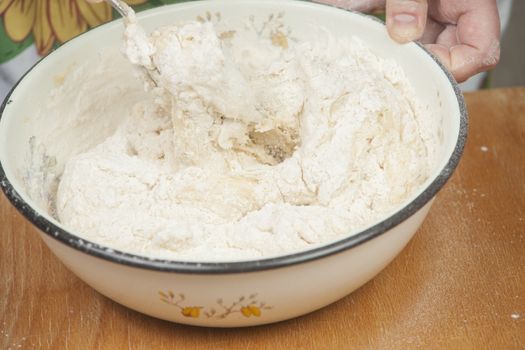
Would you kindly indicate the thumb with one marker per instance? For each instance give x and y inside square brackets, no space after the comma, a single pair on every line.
[406,19]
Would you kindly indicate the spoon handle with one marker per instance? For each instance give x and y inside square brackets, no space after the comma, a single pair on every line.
[119,6]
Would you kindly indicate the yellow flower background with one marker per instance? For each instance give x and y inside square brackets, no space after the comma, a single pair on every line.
[52,21]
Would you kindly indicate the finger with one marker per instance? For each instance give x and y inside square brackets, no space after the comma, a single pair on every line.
[406,19]
[432,31]
[356,5]
[448,36]
[472,46]
[464,61]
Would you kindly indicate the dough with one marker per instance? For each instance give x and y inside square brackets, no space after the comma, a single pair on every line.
[248,148]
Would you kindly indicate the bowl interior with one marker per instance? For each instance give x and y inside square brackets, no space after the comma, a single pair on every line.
[22,118]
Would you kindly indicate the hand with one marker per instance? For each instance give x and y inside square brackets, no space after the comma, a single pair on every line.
[463,34]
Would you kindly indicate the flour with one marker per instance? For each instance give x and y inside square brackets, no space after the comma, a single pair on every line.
[247,149]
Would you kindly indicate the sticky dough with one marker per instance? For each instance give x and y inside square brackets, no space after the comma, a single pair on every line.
[248,148]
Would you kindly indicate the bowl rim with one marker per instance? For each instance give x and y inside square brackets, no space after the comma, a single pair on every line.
[194,267]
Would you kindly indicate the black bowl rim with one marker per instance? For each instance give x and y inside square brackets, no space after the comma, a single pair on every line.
[191,267]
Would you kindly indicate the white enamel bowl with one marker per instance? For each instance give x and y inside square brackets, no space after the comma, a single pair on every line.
[234,293]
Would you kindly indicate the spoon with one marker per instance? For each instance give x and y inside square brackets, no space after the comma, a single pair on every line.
[120,7]
[129,16]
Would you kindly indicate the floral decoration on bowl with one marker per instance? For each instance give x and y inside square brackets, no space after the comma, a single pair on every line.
[247,306]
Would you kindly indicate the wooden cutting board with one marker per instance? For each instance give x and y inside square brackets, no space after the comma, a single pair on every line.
[459,284]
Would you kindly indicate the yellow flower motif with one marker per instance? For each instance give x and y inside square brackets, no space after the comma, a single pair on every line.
[191,311]
[251,310]
[52,21]
[246,306]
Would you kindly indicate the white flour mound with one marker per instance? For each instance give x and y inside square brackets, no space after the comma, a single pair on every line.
[247,149]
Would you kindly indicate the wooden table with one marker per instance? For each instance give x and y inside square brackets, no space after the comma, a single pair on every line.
[460,283]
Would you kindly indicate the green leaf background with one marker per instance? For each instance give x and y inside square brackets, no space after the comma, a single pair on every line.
[8,48]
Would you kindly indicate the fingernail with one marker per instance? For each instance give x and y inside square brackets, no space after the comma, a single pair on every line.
[404,27]
[406,19]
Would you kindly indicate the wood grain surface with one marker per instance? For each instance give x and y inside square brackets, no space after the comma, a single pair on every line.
[460,283]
